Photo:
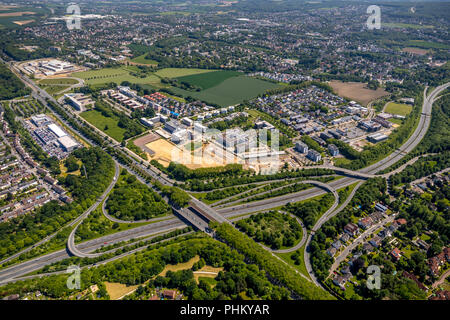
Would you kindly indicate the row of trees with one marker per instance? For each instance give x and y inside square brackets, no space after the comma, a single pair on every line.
[249,177]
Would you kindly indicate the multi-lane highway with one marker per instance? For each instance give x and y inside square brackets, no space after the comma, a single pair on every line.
[85,249]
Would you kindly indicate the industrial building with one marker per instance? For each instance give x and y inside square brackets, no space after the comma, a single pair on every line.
[57,130]
[67,143]
[377,137]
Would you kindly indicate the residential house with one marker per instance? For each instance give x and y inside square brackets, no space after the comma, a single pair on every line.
[365,222]
[352,229]
[396,254]
[376,241]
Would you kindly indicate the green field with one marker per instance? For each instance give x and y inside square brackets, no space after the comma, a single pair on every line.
[54,89]
[426,44]
[95,118]
[66,81]
[208,80]
[406,25]
[231,91]
[116,75]
[179,72]
[398,108]
[142,60]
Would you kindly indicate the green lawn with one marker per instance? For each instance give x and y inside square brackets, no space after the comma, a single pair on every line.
[210,79]
[66,81]
[398,108]
[95,118]
[116,75]
[142,60]
[287,257]
[232,91]
[53,89]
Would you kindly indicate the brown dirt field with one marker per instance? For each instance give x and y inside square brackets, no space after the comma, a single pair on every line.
[6,7]
[16,14]
[117,290]
[164,150]
[21,23]
[417,51]
[142,141]
[357,91]
[180,266]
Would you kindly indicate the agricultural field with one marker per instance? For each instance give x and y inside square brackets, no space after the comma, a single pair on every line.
[417,51]
[357,91]
[232,91]
[398,108]
[27,108]
[179,72]
[108,125]
[15,16]
[274,229]
[208,80]
[427,45]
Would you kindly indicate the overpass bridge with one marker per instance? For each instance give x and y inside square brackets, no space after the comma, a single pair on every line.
[345,172]
[190,218]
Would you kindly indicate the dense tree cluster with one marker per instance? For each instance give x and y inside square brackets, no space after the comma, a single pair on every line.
[272,228]
[274,267]
[133,200]
[310,210]
[10,86]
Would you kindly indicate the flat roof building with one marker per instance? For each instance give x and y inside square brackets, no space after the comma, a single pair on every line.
[67,143]
[57,130]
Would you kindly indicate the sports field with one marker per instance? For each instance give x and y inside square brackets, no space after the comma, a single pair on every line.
[398,108]
[106,124]
[210,79]
[232,91]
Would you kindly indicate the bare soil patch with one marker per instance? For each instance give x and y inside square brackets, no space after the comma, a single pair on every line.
[357,91]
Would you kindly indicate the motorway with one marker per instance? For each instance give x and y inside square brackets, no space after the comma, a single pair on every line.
[220,215]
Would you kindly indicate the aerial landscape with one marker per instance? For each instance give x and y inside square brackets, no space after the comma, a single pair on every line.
[228,150]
